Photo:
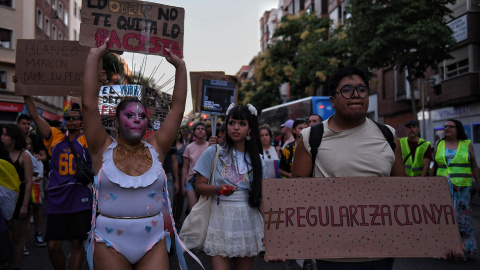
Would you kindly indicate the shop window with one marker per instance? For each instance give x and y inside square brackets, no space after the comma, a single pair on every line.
[3,79]
[6,38]
[6,3]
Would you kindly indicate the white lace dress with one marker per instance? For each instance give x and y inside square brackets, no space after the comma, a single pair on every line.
[235,229]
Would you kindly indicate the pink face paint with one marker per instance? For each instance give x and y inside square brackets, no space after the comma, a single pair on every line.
[133,121]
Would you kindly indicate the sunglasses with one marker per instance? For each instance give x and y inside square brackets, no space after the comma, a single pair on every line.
[75,117]
[268,154]
[449,126]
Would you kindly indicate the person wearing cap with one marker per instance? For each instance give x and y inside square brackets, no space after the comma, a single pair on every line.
[416,152]
[286,157]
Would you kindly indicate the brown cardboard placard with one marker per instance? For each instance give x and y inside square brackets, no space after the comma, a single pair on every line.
[133,26]
[194,88]
[197,85]
[49,67]
[376,217]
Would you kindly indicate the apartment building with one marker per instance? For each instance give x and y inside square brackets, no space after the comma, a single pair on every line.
[39,19]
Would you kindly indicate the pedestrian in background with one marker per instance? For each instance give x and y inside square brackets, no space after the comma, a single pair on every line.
[455,159]
[416,152]
[286,157]
[15,143]
[191,155]
[314,119]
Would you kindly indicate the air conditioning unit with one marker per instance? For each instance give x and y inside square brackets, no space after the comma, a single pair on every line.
[55,14]
[436,80]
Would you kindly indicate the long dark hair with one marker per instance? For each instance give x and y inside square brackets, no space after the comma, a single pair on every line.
[461,135]
[14,132]
[253,147]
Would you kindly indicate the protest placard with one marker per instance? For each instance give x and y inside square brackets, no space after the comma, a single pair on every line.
[194,88]
[111,95]
[376,217]
[133,26]
[49,67]
[213,92]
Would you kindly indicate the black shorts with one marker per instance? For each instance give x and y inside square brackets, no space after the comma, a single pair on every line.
[72,226]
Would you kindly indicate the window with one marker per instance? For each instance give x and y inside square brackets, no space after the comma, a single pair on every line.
[54,32]
[47,1]
[74,34]
[39,18]
[60,11]
[6,38]
[47,26]
[60,36]
[75,10]
[54,4]
[457,68]
[6,3]
[65,18]
[3,79]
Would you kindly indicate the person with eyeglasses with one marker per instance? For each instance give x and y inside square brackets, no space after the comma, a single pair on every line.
[68,203]
[416,152]
[352,146]
[455,159]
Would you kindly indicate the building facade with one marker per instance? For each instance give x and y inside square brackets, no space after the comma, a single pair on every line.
[39,19]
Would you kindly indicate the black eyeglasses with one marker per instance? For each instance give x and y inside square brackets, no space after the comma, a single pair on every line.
[449,126]
[348,90]
[268,154]
[68,117]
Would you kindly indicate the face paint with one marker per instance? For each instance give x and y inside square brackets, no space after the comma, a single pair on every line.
[133,122]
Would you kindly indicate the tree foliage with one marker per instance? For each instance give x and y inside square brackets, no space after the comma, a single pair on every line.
[307,51]
[408,35]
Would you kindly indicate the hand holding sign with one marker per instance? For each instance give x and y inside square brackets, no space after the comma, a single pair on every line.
[133,26]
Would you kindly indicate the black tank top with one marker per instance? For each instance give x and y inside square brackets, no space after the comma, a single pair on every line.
[19,168]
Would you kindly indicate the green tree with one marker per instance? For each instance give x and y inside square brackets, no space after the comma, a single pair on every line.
[307,51]
[408,35]
[261,95]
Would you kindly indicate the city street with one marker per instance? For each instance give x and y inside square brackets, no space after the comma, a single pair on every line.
[38,258]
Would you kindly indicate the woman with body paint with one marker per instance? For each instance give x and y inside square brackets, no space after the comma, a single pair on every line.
[130,202]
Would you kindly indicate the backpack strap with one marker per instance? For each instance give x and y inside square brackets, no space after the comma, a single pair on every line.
[316,135]
[387,133]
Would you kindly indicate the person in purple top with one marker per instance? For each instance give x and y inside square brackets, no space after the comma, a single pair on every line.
[68,203]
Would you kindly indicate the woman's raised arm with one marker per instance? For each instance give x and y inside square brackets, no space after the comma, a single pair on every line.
[163,138]
[92,123]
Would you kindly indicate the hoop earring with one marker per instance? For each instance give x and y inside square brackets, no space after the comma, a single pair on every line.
[248,137]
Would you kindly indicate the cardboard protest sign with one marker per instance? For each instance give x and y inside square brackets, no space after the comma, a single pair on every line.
[194,88]
[214,92]
[374,217]
[49,67]
[133,26]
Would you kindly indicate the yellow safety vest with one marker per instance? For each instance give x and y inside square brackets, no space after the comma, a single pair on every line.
[459,170]
[416,168]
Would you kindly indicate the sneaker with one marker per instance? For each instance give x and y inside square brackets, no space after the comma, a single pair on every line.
[25,251]
[38,240]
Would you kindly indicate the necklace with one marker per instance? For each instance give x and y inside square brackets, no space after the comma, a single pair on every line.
[132,159]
